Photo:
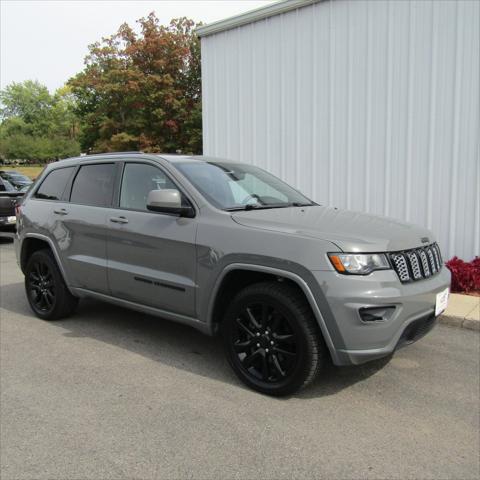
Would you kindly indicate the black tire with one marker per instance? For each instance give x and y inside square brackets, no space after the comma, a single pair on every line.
[289,351]
[46,291]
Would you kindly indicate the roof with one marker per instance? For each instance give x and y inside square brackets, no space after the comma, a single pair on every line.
[119,156]
[174,158]
[276,8]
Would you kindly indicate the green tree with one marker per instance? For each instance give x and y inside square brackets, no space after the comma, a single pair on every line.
[63,119]
[142,90]
[35,125]
[29,101]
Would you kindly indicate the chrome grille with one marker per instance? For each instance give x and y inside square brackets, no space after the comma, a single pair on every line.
[400,264]
[418,263]
[415,265]
[431,260]
[437,255]
[425,265]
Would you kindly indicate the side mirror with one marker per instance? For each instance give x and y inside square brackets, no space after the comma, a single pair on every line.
[168,201]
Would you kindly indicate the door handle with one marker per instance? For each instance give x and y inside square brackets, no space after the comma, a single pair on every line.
[118,220]
[60,211]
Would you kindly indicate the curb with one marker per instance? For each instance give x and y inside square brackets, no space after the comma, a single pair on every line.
[460,322]
[463,311]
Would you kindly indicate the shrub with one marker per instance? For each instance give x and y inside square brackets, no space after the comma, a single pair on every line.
[465,275]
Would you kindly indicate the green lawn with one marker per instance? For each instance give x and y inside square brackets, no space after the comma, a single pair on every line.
[31,171]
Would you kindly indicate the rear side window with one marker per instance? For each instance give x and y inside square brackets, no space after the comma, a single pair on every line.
[53,186]
[93,185]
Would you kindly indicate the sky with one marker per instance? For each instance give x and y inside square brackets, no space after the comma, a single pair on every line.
[48,40]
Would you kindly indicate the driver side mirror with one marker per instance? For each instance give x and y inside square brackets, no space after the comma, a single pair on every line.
[168,201]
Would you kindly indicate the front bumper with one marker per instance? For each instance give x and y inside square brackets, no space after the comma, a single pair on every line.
[358,341]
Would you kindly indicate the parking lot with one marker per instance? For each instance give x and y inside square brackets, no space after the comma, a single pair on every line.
[115,394]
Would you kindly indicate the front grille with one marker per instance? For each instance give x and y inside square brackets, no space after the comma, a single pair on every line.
[418,263]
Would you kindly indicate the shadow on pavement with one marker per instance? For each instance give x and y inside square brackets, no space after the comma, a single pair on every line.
[172,344]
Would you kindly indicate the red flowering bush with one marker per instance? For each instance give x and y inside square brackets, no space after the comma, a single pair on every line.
[465,275]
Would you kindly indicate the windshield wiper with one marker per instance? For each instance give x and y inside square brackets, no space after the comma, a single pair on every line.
[244,207]
[256,206]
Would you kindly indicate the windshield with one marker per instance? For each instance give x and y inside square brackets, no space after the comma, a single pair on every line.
[6,186]
[237,186]
[18,177]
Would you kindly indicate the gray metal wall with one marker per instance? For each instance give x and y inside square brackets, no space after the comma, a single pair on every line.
[366,105]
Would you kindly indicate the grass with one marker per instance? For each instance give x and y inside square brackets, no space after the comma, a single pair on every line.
[31,171]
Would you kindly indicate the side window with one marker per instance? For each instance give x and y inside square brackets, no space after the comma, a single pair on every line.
[138,180]
[93,185]
[54,184]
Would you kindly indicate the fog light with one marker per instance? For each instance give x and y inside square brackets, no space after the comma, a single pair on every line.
[376,314]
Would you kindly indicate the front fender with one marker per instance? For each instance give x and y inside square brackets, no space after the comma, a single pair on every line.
[301,277]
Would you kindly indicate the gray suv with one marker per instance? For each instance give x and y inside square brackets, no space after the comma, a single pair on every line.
[227,247]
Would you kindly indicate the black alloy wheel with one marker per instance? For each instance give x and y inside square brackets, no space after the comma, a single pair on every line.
[47,293]
[271,338]
[264,342]
[41,287]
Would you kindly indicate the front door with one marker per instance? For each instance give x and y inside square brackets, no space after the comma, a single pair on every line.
[151,256]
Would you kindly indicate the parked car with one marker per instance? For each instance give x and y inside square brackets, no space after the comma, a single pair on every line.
[228,248]
[18,180]
[8,200]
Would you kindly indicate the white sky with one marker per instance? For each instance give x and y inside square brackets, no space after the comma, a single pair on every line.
[48,40]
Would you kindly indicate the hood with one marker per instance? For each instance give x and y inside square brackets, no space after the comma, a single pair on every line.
[350,231]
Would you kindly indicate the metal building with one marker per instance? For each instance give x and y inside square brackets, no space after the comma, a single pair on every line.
[370,105]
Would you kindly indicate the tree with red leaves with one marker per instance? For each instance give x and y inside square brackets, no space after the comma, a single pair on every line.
[142,91]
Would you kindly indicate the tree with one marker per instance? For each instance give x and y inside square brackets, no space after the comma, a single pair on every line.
[36,125]
[29,101]
[142,90]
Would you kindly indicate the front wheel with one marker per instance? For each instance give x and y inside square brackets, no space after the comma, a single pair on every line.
[46,290]
[271,339]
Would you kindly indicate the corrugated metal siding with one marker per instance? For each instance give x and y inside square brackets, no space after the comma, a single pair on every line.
[367,105]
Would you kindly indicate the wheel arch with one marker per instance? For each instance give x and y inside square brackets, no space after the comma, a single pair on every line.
[234,277]
[34,242]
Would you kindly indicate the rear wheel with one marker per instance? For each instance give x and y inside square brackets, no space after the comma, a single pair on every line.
[271,339]
[46,290]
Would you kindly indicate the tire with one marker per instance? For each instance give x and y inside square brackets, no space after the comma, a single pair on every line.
[46,291]
[271,339]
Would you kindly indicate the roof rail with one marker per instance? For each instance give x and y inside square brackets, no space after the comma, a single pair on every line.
[113,153]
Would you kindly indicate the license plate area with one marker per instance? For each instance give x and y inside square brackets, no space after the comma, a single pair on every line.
[441,301]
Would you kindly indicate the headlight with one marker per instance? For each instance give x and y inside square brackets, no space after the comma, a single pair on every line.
[359,263]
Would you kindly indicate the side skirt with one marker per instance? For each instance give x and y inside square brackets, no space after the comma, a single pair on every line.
[175,317]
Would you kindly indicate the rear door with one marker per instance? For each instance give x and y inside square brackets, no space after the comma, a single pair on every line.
[151,256]
[43,211]
[83,222]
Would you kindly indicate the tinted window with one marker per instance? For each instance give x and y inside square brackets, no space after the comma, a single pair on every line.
[93,185]
[54,184]
[138,180]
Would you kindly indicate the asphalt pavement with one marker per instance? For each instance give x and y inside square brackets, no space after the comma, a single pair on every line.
[113,394]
